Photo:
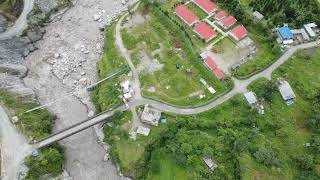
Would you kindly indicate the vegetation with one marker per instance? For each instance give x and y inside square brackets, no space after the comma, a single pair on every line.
[11,8]
[158,33]
[294,12]
[35,125]
[49,163]
[283,143]
[106,95]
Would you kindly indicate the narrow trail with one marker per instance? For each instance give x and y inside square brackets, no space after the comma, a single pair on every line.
[20,23]
[14,148]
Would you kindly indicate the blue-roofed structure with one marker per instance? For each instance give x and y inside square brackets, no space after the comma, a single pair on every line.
[285,33]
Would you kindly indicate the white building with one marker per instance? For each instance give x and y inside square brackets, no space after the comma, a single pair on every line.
[251,98]
[210,164]
[150,115]
[309,28]
[286,92]
[143,131]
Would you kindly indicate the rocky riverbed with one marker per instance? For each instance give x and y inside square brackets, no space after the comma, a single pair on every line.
[61,60]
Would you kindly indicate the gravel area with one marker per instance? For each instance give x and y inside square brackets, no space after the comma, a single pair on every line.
[64,64]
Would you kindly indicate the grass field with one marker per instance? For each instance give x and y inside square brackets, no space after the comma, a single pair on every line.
[168,170]
[240,135]
[180,87]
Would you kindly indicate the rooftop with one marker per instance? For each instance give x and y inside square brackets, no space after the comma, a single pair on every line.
[186,15]
[286,90]
[150,115]
[220,15]
[257,15]
[250,97]
[285,33]
[308,28]
[228,21]
[205,31]
[239,32]
[143,131]
[207,5]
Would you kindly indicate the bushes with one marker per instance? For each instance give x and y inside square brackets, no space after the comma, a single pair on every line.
[36,124]
[48,163]
[266,156]
[106,95]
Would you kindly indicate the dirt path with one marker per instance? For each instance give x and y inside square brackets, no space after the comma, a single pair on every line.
[14,148]
[64,64]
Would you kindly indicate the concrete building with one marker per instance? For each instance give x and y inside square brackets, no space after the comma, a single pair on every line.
[310,29]
[257,15]
[143,131]
[302,33]
[150,115]
[286,92]
[212,165]
[285,34]
[251,98]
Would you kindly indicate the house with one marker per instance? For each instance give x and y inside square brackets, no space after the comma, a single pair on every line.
[205,31]
[251,98]
[220,15]
[302,33]
[238,32]
[286,92]
[257,15]
[206,5]
[150,115]
[212,165]
[285,34]
[309,28]
[126,89]
[213,66]
[143,131]
[227,22]
[186,15]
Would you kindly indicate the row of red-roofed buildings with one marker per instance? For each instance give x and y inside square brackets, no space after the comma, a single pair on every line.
[204,30]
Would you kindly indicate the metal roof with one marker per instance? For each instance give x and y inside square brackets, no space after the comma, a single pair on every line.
[285,33]
[286,90]
[251,97]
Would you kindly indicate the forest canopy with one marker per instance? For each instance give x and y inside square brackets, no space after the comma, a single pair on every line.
[294,12]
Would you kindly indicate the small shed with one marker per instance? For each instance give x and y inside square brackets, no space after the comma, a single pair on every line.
[212,165]
[257,15]
[143,131]
[286,92]
[251,98]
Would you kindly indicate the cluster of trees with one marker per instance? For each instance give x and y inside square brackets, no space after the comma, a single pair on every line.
[295,12]
[49,163]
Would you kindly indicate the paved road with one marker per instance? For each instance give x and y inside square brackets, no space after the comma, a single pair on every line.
[239,87]
[21,22]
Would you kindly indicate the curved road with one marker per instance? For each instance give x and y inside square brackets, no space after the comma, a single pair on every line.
[21,22]
[240,86]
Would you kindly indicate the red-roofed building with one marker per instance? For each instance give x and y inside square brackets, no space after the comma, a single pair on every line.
[213,66]
[186,15]
[220,15]
[210,63]
[206,5]
[219,73]
[239,32]
[205,31]
[227,22]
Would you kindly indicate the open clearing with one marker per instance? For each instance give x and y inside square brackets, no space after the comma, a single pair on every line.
[150,42]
